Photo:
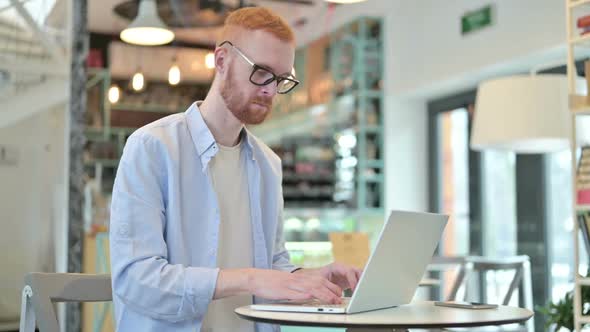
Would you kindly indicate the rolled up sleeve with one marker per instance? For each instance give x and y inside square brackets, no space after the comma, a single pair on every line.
[142,277]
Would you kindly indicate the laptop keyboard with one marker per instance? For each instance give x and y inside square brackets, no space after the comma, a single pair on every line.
[318,303]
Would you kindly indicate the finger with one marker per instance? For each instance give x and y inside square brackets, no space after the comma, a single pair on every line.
[358,273]
[325,295]
[320,291]
[316,289]
[336,289]
[296,295]
[352,279]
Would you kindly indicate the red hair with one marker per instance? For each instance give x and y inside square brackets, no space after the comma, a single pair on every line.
[258,18]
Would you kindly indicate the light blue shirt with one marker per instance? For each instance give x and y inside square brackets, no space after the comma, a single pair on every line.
[165,223]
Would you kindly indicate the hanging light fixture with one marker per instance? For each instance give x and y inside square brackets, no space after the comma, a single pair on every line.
[114,94]
[523,114]
[174,73]
[137,82]
[210,60]
[147,28]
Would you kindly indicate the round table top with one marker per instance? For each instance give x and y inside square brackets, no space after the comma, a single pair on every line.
[422,314]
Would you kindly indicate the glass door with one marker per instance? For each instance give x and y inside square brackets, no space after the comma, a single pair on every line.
[478,192]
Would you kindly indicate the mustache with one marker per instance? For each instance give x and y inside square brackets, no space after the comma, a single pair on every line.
[262,101]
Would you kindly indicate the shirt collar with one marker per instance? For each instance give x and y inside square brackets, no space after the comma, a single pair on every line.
[203,138]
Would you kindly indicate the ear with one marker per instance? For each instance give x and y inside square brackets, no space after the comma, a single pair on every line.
[221,60]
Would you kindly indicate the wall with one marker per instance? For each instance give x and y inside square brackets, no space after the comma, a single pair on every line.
[427,58]
[406,140]
[425,47]
[32,202]
[428,48]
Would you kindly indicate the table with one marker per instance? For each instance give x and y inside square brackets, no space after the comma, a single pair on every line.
[419,314]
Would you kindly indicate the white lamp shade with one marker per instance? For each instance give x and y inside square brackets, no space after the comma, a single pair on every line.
[147,28]
[523,114]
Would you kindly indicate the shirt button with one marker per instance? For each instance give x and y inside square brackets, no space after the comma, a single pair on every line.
[124,230]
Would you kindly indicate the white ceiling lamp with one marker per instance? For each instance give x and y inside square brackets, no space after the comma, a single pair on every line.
[345,1]
[114,94]
[137,82]
[523,114]
[147,28]
[174,73]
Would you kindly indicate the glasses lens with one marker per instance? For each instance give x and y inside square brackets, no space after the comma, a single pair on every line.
[286,85]
[261,76]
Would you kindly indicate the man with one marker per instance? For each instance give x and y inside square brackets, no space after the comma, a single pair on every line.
[196,216]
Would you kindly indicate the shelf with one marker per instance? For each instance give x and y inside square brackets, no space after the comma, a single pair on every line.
[374,163]
[309,246]
[584,281]
[372,129]
[578,3]
[372,93]
[145,108]
[372,178]
[9,326]
[313,178]
[579,105]
[113,131]
[331,212]
[583,208]
[580,40]
[124,130]
[104,162]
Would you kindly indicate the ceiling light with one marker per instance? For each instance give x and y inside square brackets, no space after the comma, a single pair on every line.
[137,82]
[347,141]
[147,28]
[174,75]
[114,94]
[210,60]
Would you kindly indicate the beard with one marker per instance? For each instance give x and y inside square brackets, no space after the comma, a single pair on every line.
[250,111]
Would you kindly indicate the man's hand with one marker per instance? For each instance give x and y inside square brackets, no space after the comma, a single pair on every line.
[277,285]
[345,276]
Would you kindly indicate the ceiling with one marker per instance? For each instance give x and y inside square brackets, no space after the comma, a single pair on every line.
[102,19]
[155,61]
[127,59]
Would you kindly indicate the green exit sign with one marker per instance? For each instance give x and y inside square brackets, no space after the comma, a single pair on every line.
[476,20]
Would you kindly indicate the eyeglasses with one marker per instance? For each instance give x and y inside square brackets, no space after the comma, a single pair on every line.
[263,76]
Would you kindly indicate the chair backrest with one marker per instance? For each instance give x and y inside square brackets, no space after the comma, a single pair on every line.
[519,264]
[446,269]
[43,289]
[521,279]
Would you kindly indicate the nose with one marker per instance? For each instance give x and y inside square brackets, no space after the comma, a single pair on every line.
[270,90]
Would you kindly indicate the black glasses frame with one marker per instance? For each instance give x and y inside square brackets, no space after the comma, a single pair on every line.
[255,67]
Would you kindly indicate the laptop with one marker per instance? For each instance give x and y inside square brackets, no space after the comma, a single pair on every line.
[404,249]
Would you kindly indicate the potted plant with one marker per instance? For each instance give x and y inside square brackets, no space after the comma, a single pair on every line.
[561,314]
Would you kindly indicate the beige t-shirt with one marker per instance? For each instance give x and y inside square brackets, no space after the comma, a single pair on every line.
[230,183]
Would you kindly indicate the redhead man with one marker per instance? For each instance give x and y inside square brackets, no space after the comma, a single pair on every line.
[196,217]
